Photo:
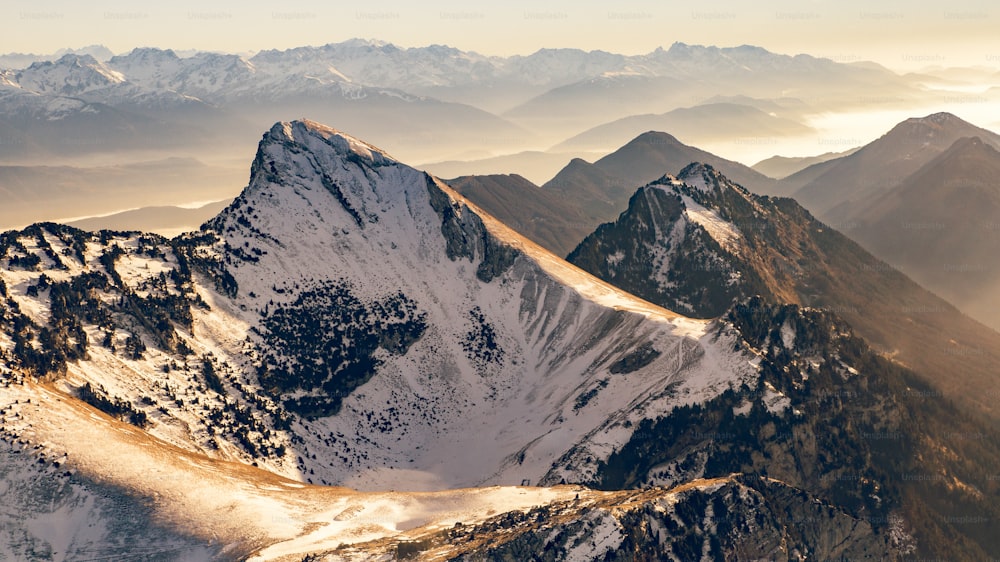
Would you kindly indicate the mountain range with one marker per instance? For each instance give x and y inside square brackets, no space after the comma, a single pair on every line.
[222,344]
[353,361]
[921,198]
[427,104]
[772,247]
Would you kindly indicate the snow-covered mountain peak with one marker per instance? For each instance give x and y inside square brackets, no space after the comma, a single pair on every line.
[71,74]
[342,144]
[319,178]
[702,177]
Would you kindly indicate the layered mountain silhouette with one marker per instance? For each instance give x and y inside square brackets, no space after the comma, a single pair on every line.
[922,198]
[780,167]
[852,181]
[940,226]
[588,194]
[701,123]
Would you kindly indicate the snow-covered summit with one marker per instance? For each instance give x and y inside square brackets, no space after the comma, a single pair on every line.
[707,179]
[71,74]
[343,145]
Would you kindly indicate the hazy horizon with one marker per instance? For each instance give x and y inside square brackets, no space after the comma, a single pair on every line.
[901,36]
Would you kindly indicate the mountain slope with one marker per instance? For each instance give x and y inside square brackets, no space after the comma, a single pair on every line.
[699,243]
[831,417]
[494,353]
[693,273]
[776,249]
[939,226]
[458,322]
[556,222]
[599,194]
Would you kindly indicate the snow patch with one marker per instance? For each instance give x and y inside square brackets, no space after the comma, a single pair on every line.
[723,231]
[788,336]
[775,401]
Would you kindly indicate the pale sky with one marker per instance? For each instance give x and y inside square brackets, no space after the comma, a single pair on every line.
[902,35]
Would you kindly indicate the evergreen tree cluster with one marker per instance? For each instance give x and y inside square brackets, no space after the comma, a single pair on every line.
[325,343]
[113,406]
[480,342]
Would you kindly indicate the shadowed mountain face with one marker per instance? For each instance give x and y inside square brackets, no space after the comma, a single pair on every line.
[556,222]
[852,182]
[652,154]
[922,198]
[657,233]
[699,242]
[940,225]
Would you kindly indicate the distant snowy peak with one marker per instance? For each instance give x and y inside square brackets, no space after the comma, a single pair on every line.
[99,52]
[362,68]
[742,59]
[149,66]
[381,64]
[70,75]
[24,60]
